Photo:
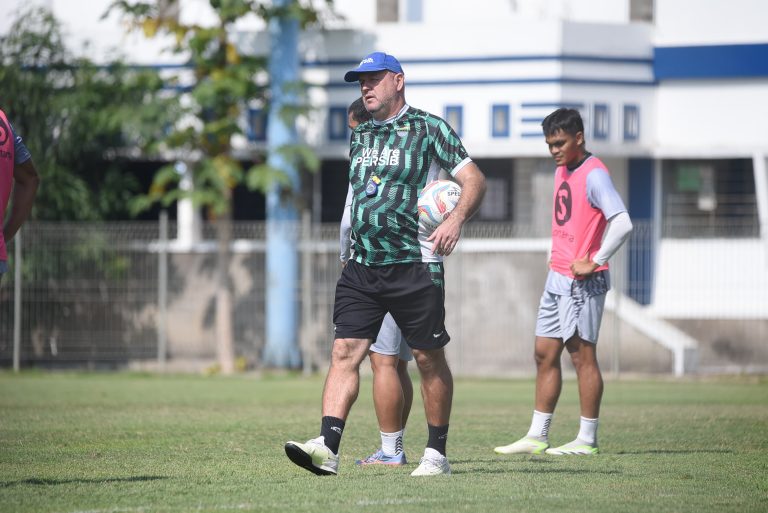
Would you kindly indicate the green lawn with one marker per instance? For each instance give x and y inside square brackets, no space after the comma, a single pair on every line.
[125,443]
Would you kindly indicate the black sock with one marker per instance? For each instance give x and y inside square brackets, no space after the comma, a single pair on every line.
[438,436]
[331,429]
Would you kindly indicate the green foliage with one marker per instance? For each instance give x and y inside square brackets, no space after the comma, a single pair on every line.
[79,120]
[226,82]
[121,442]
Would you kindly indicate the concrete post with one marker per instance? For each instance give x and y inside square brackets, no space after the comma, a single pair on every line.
[282,348]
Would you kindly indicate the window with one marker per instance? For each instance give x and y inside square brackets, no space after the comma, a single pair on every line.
[495,205]
[414,11]
[337,123]
[641,10]
[387,10]
[601,126]
[454,117]
[498,200]
[631,122]
[709,198]
[257,125]
[500,120]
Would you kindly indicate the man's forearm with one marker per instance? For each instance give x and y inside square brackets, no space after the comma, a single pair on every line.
[23,197]
[617,232]
[472,184]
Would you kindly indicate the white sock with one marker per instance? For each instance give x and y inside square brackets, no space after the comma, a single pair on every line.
[392,443]
[540,425]
[588,430]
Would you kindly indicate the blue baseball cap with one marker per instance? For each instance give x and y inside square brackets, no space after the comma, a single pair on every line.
[376,61]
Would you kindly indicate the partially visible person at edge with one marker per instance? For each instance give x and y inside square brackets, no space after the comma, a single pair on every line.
[18,185]
[589,224]
[392,271]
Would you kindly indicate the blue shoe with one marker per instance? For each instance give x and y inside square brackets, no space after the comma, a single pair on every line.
[379,458]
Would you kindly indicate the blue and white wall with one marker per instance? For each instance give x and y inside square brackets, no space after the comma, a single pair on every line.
[711,65]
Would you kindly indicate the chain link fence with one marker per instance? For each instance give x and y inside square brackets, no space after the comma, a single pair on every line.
[98,295]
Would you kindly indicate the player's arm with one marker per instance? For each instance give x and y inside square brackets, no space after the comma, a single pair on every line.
[602,194]
[345,229]
[616,233]
[472,182]
[26,181]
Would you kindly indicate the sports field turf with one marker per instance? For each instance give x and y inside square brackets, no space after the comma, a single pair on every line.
[125,443]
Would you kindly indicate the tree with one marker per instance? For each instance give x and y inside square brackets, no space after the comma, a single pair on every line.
[81,122]
[226,82]
[78,119]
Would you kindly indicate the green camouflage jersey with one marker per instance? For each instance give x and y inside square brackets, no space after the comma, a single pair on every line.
[389,166]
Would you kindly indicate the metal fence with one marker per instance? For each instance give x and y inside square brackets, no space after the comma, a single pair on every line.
[99,296]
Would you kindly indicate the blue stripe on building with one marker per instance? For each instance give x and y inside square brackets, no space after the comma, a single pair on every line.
[716,61]
[511,81]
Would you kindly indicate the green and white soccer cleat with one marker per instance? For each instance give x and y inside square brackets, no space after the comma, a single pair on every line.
[575,448]
[314,456]
[432,464]
[525,445]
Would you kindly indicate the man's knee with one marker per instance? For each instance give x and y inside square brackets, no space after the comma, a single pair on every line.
[583,354]
[547,352]
[383,362]
[349,352]
[430,361]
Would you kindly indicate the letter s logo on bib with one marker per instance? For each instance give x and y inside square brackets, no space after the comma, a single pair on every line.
[5,132]
[563,202]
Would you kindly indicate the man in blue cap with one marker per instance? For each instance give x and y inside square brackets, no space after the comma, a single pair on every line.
[396,268]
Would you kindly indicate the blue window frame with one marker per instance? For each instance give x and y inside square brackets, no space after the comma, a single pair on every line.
[337,124]
[257,125]
[601,125]
[500,120]
[631,122]
[414,11]
[454,115]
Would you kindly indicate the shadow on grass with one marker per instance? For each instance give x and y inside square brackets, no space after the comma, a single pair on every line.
[569,471]
[491,466]
[53,482]
[677,451]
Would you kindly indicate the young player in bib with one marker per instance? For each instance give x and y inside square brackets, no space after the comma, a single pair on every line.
[391,270]
[589,224]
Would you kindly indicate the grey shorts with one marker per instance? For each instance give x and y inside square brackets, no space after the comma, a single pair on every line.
[563,316]
[390,340]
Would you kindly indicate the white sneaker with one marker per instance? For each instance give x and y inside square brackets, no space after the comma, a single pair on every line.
[313,456]
[576,448]
[525,445]
[432,464]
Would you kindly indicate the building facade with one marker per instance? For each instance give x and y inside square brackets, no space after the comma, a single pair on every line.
[673,93]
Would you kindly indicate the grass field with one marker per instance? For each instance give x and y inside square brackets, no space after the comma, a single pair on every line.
[124,443]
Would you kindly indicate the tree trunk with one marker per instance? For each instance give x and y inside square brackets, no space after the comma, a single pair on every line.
[225,341]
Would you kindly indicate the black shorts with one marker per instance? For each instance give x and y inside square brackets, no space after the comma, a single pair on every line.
[413,293]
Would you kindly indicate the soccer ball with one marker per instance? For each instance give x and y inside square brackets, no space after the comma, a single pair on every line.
[436,201]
